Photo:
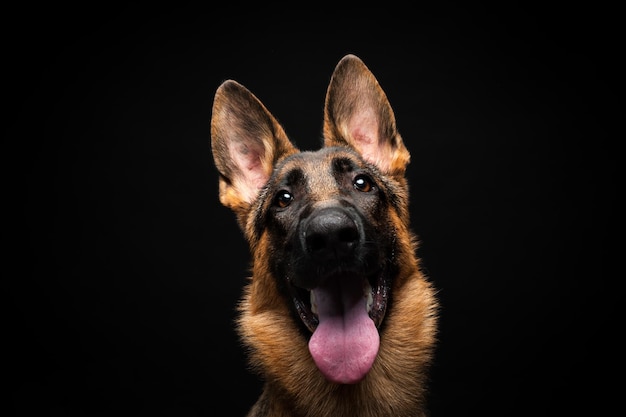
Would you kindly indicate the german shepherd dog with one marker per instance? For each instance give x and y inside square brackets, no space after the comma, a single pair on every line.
[338,318]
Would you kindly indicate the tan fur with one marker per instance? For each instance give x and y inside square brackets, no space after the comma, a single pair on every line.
[357,115]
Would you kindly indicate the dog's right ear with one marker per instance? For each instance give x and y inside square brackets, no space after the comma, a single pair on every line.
[246,141]
[357,114]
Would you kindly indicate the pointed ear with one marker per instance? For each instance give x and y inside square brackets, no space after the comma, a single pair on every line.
[246,141]
[357,114]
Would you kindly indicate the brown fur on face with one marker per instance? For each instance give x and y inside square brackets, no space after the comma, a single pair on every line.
[273,188]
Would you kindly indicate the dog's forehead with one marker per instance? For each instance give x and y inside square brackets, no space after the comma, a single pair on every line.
[316,165]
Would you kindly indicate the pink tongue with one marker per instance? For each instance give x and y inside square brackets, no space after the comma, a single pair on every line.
[345,343]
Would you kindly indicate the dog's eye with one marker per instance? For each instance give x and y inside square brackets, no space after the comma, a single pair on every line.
[283,198]
[363,183]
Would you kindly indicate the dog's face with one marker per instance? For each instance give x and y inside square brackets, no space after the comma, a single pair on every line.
[326,228]
[326,213]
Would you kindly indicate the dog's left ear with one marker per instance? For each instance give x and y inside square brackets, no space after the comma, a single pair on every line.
[357,114]
[247,141]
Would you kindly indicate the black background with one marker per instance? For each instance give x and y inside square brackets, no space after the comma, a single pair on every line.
[125,271]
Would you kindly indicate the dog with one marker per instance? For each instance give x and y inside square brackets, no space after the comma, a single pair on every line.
[337,318]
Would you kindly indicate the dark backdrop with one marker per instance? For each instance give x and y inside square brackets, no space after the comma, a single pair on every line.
[125,270]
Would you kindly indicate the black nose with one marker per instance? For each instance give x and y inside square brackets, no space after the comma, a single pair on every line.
[330,235]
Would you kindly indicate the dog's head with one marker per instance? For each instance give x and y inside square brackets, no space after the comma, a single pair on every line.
[325,227]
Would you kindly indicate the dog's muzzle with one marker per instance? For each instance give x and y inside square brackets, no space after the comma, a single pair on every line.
[331,239]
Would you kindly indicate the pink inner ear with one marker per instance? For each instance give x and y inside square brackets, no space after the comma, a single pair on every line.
[252,175]
[363,126]
[363,130]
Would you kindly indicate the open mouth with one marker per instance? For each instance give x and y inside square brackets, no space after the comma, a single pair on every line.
[344,314]
[373,292]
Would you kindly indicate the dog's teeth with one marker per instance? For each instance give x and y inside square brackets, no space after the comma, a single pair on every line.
[367,292]
[313,303]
